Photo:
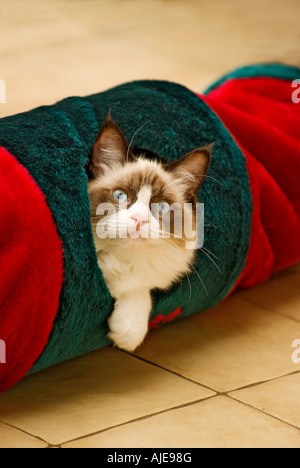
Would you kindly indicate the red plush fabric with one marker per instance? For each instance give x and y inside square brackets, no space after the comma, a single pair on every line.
[31,263]
[265,123]
[162,319]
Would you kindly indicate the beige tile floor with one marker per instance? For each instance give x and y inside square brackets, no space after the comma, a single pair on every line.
[224,378]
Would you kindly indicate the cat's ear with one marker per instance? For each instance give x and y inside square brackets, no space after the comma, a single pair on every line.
[110,150]
[192,169]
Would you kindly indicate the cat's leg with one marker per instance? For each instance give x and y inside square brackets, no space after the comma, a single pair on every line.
[128,323]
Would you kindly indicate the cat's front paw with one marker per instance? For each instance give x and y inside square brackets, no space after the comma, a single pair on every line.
[127,335]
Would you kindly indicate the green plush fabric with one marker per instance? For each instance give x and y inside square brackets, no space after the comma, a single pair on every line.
[54,144]
[278,70]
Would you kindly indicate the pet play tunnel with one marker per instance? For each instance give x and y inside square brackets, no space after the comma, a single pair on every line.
[54,303]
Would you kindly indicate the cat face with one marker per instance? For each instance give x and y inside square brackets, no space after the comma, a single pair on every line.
[137,200]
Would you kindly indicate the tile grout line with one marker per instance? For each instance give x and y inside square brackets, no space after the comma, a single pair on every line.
[217,392]
[169,370]
[141,418]
[184,405]
[272,379]
[25,432]
[263,412]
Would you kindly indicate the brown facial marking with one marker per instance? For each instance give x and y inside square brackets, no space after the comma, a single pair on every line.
[111,150]
[132,184]
[191,169]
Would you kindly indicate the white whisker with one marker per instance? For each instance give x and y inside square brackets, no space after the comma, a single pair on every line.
[195,271]
[204,248]
[189,281]
[218,268]
[131,141]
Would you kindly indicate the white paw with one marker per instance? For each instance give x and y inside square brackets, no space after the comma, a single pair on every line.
[127,333]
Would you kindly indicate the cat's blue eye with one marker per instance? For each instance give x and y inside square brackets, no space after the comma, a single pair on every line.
[163,207]
[120,196]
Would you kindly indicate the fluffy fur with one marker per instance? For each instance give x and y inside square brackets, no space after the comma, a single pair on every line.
[145,254]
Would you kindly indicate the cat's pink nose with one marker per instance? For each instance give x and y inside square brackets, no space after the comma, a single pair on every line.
[139,221]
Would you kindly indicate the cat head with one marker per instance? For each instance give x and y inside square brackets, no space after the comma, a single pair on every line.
[138,199]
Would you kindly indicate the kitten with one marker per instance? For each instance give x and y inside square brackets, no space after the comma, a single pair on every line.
[132,201]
